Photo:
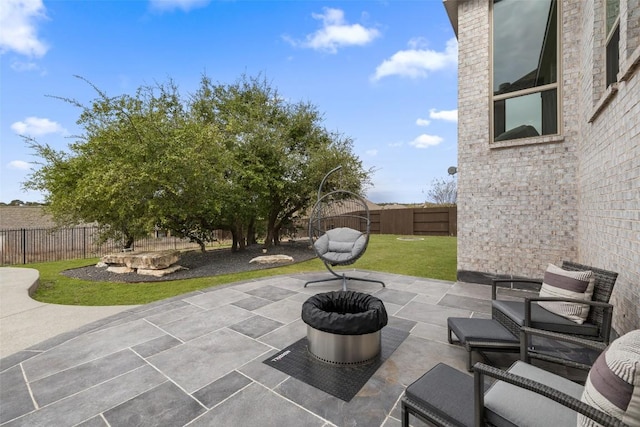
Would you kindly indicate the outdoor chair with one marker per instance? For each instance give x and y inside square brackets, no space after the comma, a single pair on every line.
[339,228]
[596,325]
[526,395]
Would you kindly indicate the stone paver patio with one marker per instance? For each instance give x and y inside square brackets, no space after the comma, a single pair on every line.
[196,359]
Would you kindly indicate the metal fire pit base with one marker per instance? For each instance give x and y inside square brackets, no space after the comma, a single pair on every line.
[343,349]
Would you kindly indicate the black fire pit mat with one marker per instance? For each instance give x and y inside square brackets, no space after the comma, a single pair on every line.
[341,381]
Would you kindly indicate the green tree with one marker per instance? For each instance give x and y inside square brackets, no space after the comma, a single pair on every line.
[236,157]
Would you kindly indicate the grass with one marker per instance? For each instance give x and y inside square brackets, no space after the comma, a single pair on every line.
[430,257]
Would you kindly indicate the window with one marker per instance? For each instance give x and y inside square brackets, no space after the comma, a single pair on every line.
[612,20]
[525,68]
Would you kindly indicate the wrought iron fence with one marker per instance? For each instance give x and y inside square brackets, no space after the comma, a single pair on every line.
[29,245]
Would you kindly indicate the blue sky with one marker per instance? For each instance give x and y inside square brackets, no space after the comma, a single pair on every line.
[382,72]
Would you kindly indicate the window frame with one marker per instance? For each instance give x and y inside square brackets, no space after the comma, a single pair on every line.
[543,138]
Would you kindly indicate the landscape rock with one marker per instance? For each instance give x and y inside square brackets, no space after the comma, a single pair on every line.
[144,260]
[271,259]
[160,273]
[120,269]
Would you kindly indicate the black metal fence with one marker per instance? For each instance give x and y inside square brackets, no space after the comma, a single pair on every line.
[29,245]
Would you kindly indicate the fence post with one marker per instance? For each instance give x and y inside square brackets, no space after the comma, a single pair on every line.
[24,246]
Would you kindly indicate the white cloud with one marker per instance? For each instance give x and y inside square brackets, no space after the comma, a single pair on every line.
[335,33]
[36,126]
[417,62]
[19,164]
[396,144]
[18,29]
[448,115]
[184,5]
[373,152]
[423,122]
[424,141]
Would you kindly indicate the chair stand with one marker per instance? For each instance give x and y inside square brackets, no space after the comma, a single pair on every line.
[344,279]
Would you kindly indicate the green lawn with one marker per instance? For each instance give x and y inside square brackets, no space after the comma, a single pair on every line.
[432,257]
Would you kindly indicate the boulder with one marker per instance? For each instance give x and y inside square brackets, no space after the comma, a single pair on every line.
[120,269]
[160,273]
[143,260]
[271,259]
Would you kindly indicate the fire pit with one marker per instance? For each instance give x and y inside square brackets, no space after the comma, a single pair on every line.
[343,327]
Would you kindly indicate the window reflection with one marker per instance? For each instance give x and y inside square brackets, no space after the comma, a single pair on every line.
[525,116]
[525,68]
[524,44]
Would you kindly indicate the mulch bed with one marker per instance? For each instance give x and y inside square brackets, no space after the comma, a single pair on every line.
[211,263]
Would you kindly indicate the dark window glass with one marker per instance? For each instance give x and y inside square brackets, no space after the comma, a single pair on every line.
[613,41]
[524,44]
[526,116]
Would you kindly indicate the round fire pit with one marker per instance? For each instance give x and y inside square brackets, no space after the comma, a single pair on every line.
[343,327]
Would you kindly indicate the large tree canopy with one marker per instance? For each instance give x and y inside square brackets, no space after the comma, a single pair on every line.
[236,157]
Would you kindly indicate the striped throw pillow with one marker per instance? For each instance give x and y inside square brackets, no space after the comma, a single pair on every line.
[613,384]
[559,283]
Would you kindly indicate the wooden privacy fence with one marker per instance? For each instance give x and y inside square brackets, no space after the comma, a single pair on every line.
[28,245]
[415,221]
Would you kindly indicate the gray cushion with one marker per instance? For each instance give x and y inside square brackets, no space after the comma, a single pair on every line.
[544,319]
[341,245]
[508,405]
[473,329]
[445,391]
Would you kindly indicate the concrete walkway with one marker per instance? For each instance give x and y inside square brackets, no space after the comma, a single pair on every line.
[196,359]
[25,322]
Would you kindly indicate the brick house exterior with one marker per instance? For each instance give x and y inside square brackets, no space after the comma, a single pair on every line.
[573,194]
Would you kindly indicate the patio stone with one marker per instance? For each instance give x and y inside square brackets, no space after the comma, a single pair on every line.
[430,313]
[217,298]
[469,303]
[92,401]
[94,422]
[263,373]
[14,395]
[402,324]
[272,293]
[89,347]
[251,303]
[201,361]
[164,405]
[177,313]
[284,311]
[78,378]
[219,390]
[286,335]
[204,322]
[255,326]
[258,406]
[156,345]
[395,297]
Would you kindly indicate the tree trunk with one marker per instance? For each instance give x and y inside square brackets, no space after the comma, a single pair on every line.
[271,233]
[234,240]
[251,233]
[129,243]
[276,234]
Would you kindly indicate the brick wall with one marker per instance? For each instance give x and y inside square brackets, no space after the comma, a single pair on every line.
[574,197]
[609,178]
[517,208]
